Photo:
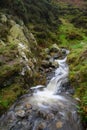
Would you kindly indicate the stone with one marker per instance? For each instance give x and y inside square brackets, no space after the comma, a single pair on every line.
[54,48]
[2,43]
[77,99]
[41,126]
[47,50]
[20,113]
[16,32]
[33,39]
[3,18]
[45,63]
[55,64]
[12,22]
[28,106]
[50,116]
[56,56]
[59,124]
[28,111]
[42,113]
[48,57]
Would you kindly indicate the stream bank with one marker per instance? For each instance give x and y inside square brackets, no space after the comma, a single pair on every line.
[48,107]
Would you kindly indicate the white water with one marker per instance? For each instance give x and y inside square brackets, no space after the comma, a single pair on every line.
[48,96]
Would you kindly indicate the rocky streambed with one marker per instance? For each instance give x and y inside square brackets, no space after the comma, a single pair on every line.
[49,107]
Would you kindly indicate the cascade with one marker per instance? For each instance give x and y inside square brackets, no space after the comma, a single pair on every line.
[46,108]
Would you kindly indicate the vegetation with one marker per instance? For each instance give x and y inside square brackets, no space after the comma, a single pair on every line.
[64,24]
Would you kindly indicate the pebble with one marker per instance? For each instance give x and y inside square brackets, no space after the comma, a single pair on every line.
[20,113]
[28,106]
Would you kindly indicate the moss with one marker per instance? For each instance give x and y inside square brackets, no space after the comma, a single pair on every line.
[8,69]
[9,95]
[78,77]
[76,41]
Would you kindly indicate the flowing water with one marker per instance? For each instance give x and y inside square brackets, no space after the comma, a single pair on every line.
[47,108]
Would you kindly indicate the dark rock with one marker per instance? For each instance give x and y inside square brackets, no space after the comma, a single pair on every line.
[45,64]
[50,116]
[41,126]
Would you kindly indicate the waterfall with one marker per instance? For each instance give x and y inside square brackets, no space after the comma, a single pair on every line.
[48,96]
[61,74]
[44,108]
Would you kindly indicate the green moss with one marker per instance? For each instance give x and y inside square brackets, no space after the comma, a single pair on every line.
[78,77]
[6,69]
[9,95]
[75,40]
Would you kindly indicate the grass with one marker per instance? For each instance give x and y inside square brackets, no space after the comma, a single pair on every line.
[75,40]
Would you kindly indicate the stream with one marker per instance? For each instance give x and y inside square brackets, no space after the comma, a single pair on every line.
[48,107]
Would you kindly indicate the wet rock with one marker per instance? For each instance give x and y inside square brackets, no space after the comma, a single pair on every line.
[50,116]
[54,48]
[42,113]
[19,107]
[20,113]
[45,64]
[47,70]
[56,56]
[28,106]
[34,108]
[63,51]
[41,126]
[28,111]
[55,64]
[48,57]
[59,124]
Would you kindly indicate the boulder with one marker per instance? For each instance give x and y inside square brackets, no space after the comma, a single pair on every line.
[20,113]
[3,18]
[54,48]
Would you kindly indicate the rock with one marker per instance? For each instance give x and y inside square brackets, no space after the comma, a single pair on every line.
[28,111]
[51,60]
[3,18]
[20,113]
[45,64]
[77,99]
[56,56]
[47,57]
[47,70]
[47,50]
[2,43]
[42,113]
[59,124]
[16,32]
[28,106]
[54,48]
[41,126]
[12,22]
[30,63]
[50,116]
[55,64]
[65,51]
[33,39]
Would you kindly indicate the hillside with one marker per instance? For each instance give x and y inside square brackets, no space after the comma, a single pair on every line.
[79,3]
[30,25]
[21,34]
[73,35]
